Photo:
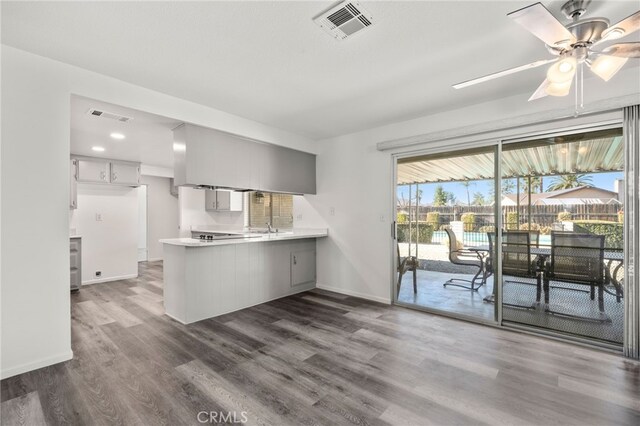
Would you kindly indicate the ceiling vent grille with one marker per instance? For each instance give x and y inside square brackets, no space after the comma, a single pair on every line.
[344,20]
[109,115]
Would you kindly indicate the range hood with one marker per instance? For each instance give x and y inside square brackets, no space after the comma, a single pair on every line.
[211,159]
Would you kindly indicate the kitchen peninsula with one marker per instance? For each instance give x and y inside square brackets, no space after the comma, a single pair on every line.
[204,279]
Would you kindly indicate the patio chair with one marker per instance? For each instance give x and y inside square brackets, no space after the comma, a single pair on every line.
[456,256]
[407,264]
[517,261]
[577,259]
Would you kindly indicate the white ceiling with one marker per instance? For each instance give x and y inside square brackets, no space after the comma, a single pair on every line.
[269,62]
[148,137]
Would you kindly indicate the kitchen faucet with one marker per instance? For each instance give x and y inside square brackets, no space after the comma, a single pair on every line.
[270,229]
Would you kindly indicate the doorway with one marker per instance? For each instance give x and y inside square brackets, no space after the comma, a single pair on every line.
[526,234]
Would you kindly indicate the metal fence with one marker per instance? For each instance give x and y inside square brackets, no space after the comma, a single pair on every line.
[478,220]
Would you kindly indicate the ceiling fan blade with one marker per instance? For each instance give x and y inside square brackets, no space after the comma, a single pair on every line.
[623,28]
[624,50]
[605,66]
[542,24]
[503,73]
[541,91]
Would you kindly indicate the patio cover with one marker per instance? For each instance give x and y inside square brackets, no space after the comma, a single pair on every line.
[593,152]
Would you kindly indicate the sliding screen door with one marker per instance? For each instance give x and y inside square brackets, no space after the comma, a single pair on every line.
[446,213]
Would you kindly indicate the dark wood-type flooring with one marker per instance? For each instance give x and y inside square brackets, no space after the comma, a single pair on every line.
[314,358]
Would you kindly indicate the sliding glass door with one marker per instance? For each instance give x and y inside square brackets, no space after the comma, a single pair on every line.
[562,234]
[445,210]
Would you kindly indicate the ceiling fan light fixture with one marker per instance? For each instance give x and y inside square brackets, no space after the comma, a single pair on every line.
[606,67]
[562,71]
[613,33]
[558,89]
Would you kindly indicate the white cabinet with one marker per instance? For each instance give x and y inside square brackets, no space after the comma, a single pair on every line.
[209,157]
[93,170]
[223,201]
[125,173]
[303,267]
[75,262]
[101,170]
[73,185]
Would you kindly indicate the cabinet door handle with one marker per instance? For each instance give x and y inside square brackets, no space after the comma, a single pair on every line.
[114,177]
[295,261]
[103,176]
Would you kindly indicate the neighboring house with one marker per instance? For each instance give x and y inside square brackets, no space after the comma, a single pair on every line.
[574,196]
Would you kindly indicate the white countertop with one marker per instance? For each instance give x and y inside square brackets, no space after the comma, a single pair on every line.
[294,234]
[75,236]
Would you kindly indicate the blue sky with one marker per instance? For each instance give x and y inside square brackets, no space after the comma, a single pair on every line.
[600,180]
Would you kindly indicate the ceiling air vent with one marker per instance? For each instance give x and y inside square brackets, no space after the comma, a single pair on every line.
[109,115]
[344,20]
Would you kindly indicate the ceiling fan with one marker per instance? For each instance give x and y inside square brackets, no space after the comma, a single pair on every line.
[573,46]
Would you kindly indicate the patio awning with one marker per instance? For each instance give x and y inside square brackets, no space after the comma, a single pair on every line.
[593,152]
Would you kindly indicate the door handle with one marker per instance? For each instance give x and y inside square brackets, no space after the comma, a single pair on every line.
[103,176]
[295,261]
[114,177]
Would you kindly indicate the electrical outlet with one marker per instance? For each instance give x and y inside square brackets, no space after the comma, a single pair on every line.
[98,217]
[332,211]
[98,274]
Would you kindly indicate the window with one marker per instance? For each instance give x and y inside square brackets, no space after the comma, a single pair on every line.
[266,207]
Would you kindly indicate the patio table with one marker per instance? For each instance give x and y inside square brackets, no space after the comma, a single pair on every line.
[542,253]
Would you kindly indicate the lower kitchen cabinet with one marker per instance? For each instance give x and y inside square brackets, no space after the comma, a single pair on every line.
[75,253]
[204,282]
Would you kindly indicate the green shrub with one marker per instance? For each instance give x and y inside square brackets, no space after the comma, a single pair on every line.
[425,233]
[564,216]
[512,221]
[545,230]
[402,218]
[613,231]
[433,219]
[525,227]
[469,221]
[486,228]
[621,216]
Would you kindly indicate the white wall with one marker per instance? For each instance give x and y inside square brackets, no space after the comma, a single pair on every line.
[193,213]
[162,217]
[109,245]
[35,306]
[355,180]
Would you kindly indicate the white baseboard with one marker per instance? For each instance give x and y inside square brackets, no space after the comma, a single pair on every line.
[30,366]
[108,279]
[386,301]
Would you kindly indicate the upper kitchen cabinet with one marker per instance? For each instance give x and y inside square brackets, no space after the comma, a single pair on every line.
[73,184]
[223,201]
[125,173]
[93,170]
[207,157]
[101,170]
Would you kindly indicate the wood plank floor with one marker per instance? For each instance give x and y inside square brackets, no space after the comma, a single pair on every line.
[314,358]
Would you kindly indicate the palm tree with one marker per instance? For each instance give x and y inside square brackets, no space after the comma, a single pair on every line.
[466,184]
[478,199]
[569,181]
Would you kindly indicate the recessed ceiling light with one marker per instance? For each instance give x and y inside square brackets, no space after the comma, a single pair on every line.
[117,135]
[97,148]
